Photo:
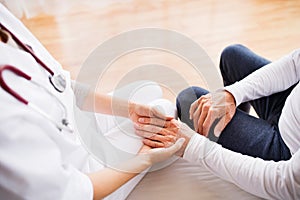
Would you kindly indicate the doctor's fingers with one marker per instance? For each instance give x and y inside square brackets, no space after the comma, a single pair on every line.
[170,125]
[161,154]
[155,129]
[153,144]
[159,144]
[158,122]
[157,137]
[155,113]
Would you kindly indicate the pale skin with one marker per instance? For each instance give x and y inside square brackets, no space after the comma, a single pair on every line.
[108,180]
[160,132]
[204,111]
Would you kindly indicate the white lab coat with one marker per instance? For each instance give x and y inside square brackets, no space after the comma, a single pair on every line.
[36,160]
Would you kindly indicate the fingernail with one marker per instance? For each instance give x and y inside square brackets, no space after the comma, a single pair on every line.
[169,117]
[141,120]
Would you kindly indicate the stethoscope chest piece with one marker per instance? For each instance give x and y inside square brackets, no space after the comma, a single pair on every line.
[59,82]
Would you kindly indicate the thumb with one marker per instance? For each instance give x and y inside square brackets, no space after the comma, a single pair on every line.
[161,154]
[174,148]
[157,113]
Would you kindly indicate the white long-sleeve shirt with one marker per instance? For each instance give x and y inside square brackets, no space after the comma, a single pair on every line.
[267,179]
[272,78]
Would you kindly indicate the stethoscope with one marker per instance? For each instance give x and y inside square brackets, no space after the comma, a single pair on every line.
[58,81]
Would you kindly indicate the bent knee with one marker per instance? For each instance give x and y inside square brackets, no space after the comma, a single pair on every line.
[187,96]
[231,51]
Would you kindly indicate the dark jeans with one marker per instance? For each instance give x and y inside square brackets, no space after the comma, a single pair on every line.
[257,137]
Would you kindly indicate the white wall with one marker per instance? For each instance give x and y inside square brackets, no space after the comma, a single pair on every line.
[31,8]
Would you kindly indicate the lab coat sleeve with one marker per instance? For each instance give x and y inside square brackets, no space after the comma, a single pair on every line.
[266,179]
[81,90]
[272,78]
[31,165]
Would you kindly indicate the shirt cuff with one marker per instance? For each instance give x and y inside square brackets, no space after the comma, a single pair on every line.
[200,149]
[194,146]
[235,89]
[81,91]
[79,186]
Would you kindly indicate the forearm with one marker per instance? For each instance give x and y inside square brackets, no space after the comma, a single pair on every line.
[108,180]
[267,179]
[105,104]
[272,78]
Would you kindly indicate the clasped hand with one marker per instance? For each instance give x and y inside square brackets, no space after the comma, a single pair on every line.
[212,112]
[161,133]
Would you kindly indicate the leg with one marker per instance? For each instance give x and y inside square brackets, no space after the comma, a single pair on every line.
[184,101]
[245,134]
[254,137]
[236,63]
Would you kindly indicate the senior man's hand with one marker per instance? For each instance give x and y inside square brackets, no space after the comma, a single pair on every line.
[212,111]
[159,133]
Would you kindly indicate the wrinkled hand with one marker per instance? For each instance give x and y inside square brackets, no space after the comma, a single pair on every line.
[156,155]
[137,110]
[212,111]
[159,133]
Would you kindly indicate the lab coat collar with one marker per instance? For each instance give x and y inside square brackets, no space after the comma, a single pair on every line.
[20,31]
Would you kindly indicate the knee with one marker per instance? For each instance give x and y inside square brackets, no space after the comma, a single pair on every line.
[186,97]
[231,52]
[191,93]
[229,61]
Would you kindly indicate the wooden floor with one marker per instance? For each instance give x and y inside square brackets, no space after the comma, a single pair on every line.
[269,27]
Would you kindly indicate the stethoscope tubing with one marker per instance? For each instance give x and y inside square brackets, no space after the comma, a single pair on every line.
[57,80]
[27,49]
[43,114]
[59,84]
[18,72]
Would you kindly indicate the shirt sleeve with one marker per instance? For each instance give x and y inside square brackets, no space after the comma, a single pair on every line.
[81,91]
[272,78]
[32,165]
[266,179]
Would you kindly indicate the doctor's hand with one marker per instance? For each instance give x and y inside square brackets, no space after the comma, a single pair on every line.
[137,110]
[156,155]
[213,110]
[158,133]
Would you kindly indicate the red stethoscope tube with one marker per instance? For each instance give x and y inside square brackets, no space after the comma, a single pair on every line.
[64,122]
[7,88]
[27,49]
[58,81]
